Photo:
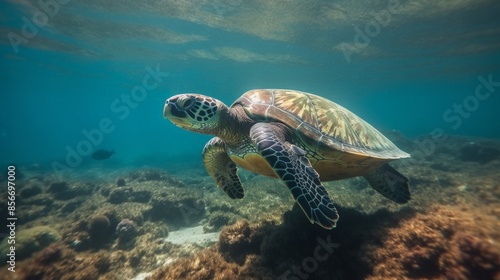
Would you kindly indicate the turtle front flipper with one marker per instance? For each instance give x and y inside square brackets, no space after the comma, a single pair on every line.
[222,169]
[390,183]
[291,165]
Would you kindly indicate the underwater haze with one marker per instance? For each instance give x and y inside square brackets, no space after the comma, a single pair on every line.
[400,65]
[80,77]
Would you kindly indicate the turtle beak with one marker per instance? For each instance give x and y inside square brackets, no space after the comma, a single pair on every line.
[176,116]
[166,110]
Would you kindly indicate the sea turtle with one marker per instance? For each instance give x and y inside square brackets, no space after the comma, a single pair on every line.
[295,136]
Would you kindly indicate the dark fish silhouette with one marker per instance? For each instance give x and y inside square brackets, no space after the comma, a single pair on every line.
[102,154]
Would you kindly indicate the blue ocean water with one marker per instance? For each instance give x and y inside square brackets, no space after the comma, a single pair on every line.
[73,73]
[78,77]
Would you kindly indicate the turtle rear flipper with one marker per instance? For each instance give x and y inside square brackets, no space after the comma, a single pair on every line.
[291,165]
[390,183]
[222,169]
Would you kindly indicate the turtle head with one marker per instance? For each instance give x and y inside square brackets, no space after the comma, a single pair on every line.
[194,112]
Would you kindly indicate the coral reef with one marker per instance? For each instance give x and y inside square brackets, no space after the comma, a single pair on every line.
[120,195]
[127,194]
[218,219]
[65,264]
[29,241]
[136,222]
[126,230]
[210,265]
[63,191]
[142,196]
[479,152]
[238,241]
[442,243]
[50,254]
[178,207]
[99,228]
[120,182]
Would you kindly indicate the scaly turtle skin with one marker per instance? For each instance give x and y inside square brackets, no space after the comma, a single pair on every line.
[292,135]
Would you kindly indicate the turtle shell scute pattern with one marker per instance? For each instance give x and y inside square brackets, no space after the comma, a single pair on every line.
[320,121]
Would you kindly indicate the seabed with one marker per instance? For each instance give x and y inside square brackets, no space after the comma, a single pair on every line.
[173,223]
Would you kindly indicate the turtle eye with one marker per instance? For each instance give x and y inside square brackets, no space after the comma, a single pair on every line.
[186,103]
